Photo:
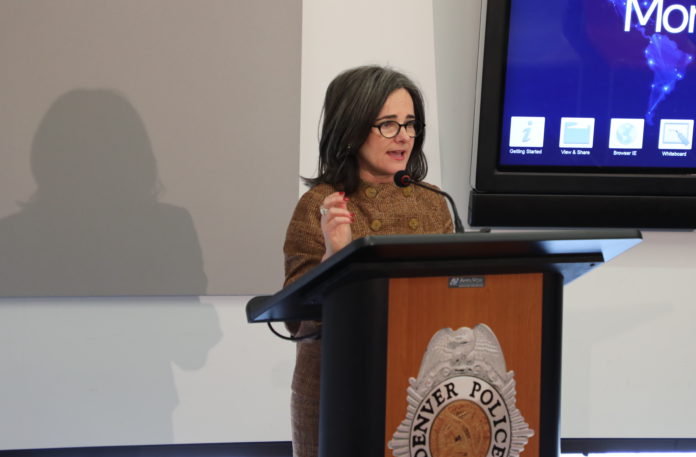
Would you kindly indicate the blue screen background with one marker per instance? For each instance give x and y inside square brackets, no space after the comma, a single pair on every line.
[572,58]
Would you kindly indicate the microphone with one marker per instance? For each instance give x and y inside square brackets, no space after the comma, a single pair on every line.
[402,179]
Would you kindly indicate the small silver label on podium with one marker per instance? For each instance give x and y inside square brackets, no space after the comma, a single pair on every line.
[465,282]
[463,402]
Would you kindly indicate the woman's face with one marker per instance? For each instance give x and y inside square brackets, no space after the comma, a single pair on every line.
[379,158]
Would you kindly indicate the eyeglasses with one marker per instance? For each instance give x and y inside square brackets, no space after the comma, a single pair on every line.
[389,129]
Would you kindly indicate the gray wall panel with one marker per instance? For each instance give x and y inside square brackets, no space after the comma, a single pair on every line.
[148,147]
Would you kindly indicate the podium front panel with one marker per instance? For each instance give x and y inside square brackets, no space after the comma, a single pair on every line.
[500,362]
[459,419]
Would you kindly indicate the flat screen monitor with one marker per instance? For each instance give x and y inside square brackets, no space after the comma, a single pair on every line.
[586,114]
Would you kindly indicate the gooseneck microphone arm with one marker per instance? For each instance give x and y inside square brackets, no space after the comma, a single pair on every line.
[402,179]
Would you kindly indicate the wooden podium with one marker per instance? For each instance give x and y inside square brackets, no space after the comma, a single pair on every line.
[382,299]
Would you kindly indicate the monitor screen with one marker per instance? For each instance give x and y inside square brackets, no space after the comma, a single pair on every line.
[600,83]
[586,114]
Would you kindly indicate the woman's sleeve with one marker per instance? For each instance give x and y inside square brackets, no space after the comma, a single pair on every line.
[304,241]
[445,216]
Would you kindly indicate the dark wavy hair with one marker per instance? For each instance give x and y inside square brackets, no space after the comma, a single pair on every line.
[352,103]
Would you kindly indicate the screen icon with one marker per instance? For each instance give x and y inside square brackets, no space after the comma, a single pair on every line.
[577,132]
[626,133]
[676,133]
[527,132]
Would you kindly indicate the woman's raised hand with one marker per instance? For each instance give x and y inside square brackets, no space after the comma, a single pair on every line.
[335,223]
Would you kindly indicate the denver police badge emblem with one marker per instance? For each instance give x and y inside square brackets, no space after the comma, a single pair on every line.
[463,401]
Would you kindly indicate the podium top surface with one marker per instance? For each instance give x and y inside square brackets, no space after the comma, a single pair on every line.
[570,253]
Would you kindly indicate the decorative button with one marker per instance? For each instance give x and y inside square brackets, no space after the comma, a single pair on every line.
[376,225]
[407,191]
[414,224]
[371,192]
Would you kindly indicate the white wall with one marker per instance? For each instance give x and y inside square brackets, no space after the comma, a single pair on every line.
[629,338]
[96,372]
[456,28]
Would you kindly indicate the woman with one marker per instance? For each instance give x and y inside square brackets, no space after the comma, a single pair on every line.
[373,126]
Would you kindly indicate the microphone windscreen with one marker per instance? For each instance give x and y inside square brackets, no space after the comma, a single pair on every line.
[402,179]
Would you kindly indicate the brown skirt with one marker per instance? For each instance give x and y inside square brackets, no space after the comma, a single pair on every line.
[304,404]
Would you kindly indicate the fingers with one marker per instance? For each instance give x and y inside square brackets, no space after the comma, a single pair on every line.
[335,206]
[335,222]
[338,214]
[335,200]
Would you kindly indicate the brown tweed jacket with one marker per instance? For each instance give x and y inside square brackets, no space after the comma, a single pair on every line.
[380,209]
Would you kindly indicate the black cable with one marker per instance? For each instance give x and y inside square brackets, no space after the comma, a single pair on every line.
[314,335]
[458,226]
[402,179]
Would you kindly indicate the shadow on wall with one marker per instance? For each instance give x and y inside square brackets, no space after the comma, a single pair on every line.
[94,226]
